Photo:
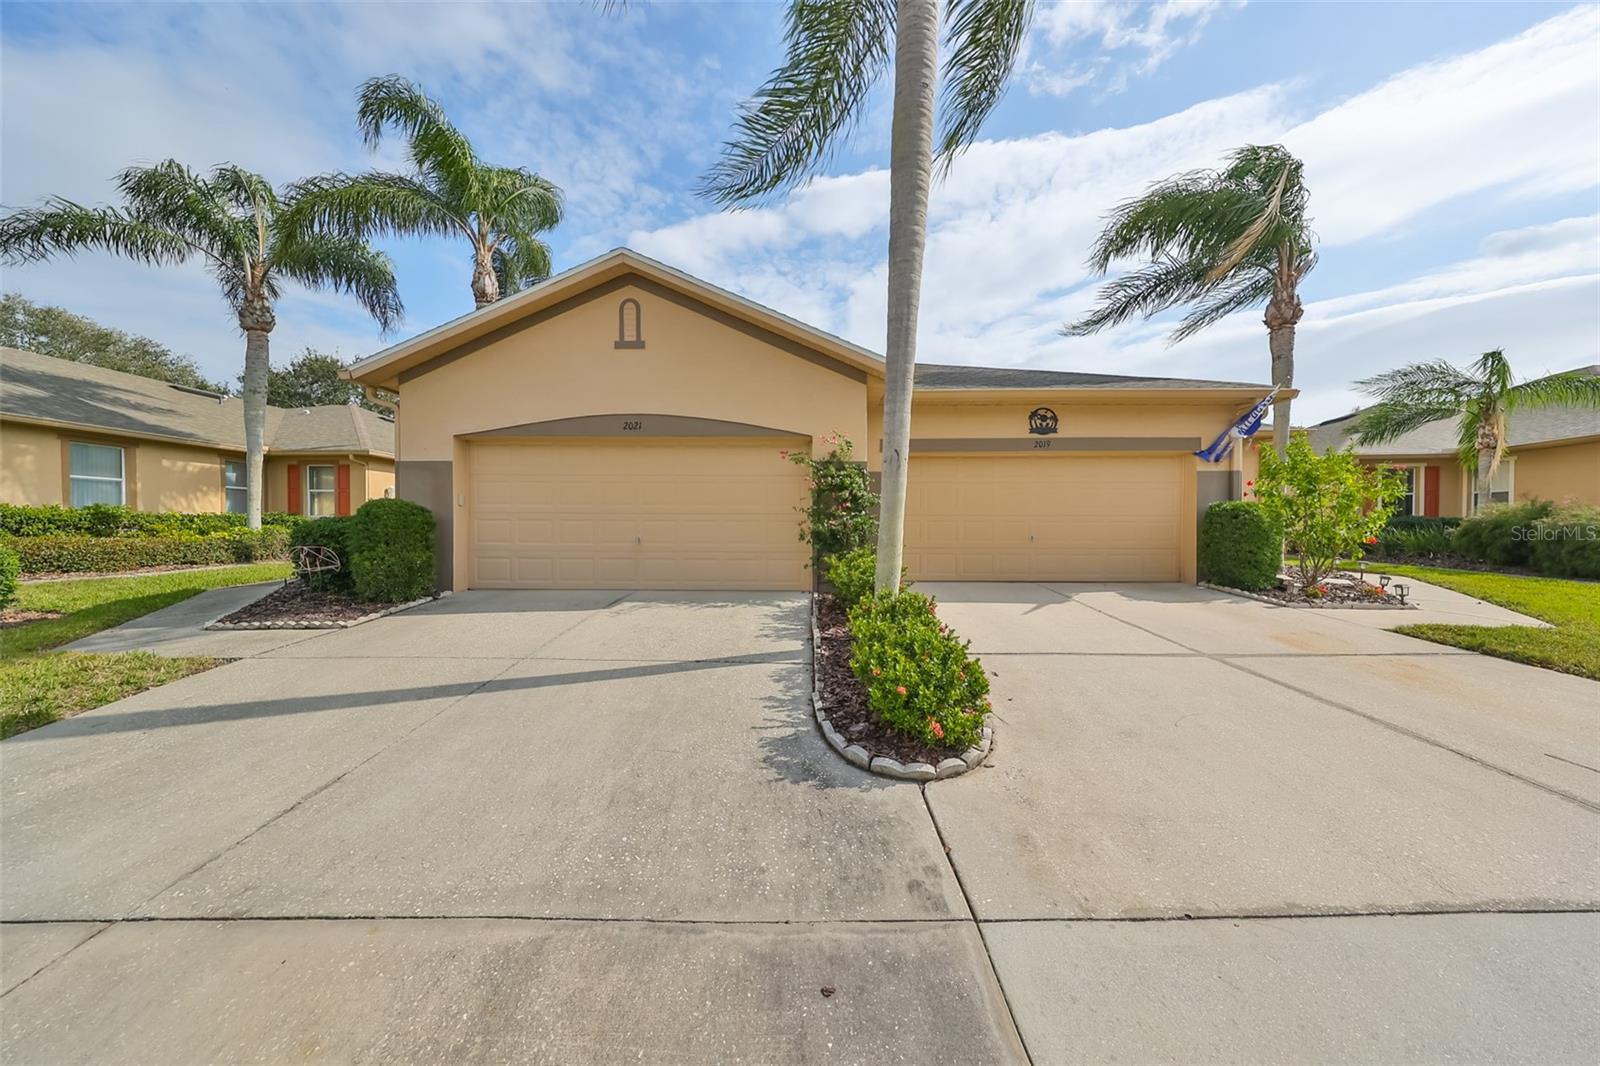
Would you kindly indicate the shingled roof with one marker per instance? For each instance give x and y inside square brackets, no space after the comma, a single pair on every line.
[1543,426]
[40,388]
[940,376]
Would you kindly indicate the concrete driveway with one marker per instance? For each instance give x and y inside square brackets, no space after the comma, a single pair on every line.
[589,826]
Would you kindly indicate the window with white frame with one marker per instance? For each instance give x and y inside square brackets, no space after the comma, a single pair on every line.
[95,474]
[1501,483]
[235,487]
[321,491]
[1409,503]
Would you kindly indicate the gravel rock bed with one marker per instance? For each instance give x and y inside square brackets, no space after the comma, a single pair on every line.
[1340,590]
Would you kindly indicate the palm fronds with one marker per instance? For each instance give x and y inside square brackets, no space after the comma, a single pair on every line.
[438,149]
[345,264]
[836,51]
[984,38]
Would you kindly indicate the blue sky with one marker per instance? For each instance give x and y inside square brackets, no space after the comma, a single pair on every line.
[1453,155]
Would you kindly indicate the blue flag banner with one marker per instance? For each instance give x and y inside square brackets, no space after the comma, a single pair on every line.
[1246,426]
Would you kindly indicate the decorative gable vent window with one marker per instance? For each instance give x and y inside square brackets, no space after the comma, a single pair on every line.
[96,474]
[630,324]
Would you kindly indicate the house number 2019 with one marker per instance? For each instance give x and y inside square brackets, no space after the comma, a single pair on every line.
[632,427]
[1043,443]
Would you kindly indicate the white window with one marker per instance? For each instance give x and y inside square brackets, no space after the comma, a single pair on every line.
[1500,485]
[320,491]
[95,474]
[1410,503]
[235,487]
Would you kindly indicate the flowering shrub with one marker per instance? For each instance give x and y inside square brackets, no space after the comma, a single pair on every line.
[1327,505]
[919,678]
[843,512]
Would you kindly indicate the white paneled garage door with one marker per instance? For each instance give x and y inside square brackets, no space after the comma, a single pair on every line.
[1045,518]
[648,514]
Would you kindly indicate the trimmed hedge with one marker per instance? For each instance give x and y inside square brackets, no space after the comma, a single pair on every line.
[920,681]
[1241,546]
[1492,536]
[10,566]
[108,520]
[73,553]
[1413,536]
[391,550]
[1567,544]
[331,533]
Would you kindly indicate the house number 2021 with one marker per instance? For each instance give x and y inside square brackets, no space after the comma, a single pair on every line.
[632,427]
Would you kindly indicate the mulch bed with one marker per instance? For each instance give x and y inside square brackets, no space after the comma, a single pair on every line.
[12,617]
[844,699]
[297,603]
[1341,588]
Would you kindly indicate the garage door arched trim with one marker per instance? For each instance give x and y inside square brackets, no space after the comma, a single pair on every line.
[634,424]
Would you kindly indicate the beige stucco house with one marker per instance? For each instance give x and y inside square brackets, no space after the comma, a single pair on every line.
[623,424]
[1553,454]
[76,434]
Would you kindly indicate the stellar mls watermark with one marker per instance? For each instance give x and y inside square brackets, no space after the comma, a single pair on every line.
[1562,532]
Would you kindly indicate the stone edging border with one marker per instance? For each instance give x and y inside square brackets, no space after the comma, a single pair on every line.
[346,623]
[882,765]
[1310,606]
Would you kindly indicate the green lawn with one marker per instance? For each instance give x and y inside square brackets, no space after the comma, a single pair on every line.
[1573,607]
[39,689]
[38,686]
[93,604]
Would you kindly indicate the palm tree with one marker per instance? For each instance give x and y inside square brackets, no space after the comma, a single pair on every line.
[1222,240]
[449,192]
[233,220]
[1482,398]
[837,50]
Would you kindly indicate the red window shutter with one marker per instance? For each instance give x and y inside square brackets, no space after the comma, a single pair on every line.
[341,487]
[294,488]
[1430,491]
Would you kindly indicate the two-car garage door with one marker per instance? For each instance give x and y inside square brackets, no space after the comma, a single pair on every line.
[722,513]
[645,514]
[1045,517]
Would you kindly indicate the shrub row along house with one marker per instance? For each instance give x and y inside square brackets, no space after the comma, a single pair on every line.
[75,434]
[1553,453]
[622,425]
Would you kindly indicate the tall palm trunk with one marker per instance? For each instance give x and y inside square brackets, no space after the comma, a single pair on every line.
[1283,313]
[916,61]
[485,285]
[256,319]
[1488,447]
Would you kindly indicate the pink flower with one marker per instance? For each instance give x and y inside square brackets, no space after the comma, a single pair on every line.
[876,672]
[938,730]
[900,689]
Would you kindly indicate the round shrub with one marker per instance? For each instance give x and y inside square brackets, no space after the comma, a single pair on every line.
[920,681]
[1241,546]
[10,567]
[391,550]
[332,533]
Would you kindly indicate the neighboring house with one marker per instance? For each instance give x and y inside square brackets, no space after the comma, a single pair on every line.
[77,434]
[1551,454]
[622,424]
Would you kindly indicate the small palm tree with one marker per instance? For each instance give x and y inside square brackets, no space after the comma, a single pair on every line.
[1481,398]
[234,221]
[837,50]
[1221,240]
[500,210]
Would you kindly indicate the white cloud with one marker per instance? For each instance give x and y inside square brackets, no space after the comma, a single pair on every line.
[1518,116]
[1130,39]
